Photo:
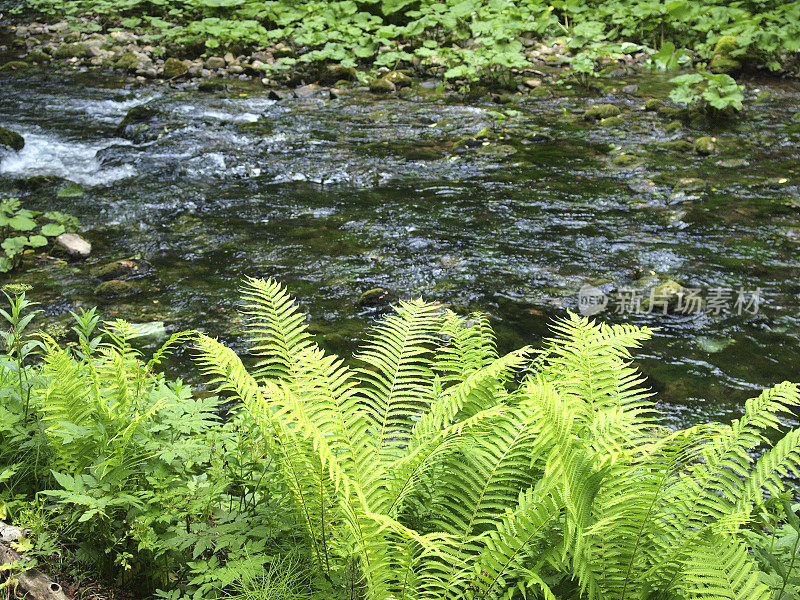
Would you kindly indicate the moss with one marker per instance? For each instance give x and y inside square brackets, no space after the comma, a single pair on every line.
[653,104]
[375,298]
[14,65]
[37,57]
[725,45]
[625,160]
[121,269]
[76,50]
[11,139]
[174,68]
[678,146]
[114,288]
[603,111]
[724,64]
[796,117]
[70,190]
[211,87]
[674,126]
[611,122]
[137,114]
[670,112]
[127,61]
[705,145]
[381,85]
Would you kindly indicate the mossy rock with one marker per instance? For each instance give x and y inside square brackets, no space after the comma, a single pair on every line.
[127,61]
[765,97]
[140,113]
[725,45]
[705,145]
[796,117]
[376,298]
[115,288]
[670,112]
[678,146]
[664,298]
[15,65]
[653,104]
[72,37]
[612,122]
[37,57]
[724,64]
[174,67]
[122,269]
[133,126]
[75,50]
[603,111]
[625,160]
[11,139]
[337,73]
[211,87]
[674,126]
[70,190]
[382,86]
[690,184]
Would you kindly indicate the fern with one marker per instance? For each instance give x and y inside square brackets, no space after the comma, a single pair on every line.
[434,474]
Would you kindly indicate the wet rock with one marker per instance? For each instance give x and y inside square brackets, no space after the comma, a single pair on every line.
[713,345]
[122,269]
[278,95]
[94,51]
[14,65]
[381,86]
[115,288]
[11,139]
[215,62]
[705,145]
[37,57]
[678,146]
[75,50]
[311,90]
[131,125]
[796,117]
[653,104]
[74,245]
[664,298]
[669,112]
[127,61]
[690,184]
[603,111]
[398,78]
[733,163]
[674,126]
[630,89]
[336,73]
[625,160]
[70,190]
[376,298]
[611,122]
[211,87]
[174,68]
[765,97]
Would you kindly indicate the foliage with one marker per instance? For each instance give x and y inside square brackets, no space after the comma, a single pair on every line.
[426,473]
[708,91]
[20,230]
[464,38]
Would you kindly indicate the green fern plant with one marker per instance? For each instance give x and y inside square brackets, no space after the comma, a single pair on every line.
[442,470]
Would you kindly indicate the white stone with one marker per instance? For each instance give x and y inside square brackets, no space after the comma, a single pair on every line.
[74,245]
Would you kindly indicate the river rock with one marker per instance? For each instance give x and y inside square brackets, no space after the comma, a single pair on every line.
[11,139]
[334,73]
[75,50]
[132,125]
[115,288]
[724,64]
[678,146]
[603,111]
[14,65]
[37,57]
[174,68]
[311,90]
[215,62]
[399,79]
[122,269]
[653,104]
[705,145]
[211,87]
[74,245]
[127,61]
[381,86]
[376,298]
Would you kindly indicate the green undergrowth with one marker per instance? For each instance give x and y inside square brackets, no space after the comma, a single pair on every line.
[430,467]
[460,38]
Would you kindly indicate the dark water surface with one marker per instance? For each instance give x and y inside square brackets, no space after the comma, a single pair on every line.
[337,196]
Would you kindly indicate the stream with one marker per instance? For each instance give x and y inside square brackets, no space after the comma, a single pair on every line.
[336,196]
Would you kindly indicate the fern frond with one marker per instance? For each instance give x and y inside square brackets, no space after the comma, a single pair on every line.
[720,568]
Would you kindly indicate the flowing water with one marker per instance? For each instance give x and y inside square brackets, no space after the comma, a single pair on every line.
[337,196]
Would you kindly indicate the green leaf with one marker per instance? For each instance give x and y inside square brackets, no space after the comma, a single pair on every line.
[53,229]
[37,240]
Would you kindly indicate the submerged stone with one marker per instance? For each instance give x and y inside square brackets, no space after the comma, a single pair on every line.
[11,139]
[114,288]
[122,269]
[625,160]
[132,125]
[376,298]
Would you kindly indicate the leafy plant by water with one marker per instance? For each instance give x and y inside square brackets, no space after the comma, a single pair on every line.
[708,92]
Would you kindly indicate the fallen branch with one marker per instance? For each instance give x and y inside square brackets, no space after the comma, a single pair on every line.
[37,585]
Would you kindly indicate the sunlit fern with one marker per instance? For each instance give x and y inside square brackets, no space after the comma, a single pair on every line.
[443,477]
